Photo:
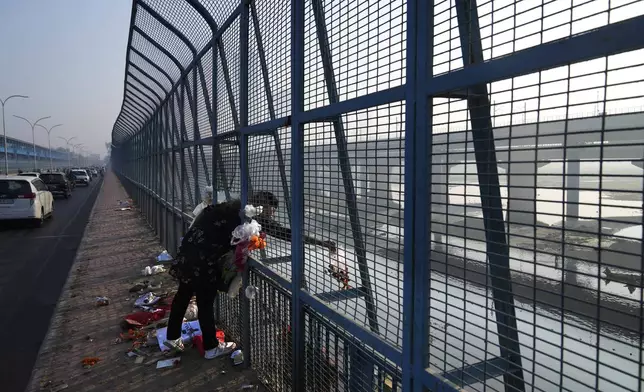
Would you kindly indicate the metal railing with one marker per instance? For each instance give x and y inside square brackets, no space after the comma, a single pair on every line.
[489,248]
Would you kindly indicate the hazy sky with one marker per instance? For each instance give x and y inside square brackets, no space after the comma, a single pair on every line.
[68,56]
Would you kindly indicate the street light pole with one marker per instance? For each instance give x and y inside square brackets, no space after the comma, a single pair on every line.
[75,146]
[69,151]
[51,164]
[33,135]
[4,131]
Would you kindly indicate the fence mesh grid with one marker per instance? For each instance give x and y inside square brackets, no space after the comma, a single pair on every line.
[477,165]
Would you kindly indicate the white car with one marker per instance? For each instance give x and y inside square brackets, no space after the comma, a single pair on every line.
[29,174]
[81,176]
[25,198]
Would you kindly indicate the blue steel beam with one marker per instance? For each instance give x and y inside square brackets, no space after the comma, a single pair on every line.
[217,160]
[271,106]
[498,252]
[182,70]
[614,38]
[297,187]
[243,157]
[345,165]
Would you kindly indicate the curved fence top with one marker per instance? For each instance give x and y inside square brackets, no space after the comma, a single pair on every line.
[166,38]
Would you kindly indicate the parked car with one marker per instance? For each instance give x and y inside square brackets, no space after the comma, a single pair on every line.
[25,198]
[81,177]
[58,184]
[29,174]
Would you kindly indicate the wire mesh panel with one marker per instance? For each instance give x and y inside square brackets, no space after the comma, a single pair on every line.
[358,204]
[268,173]
[270,333]
[466,179]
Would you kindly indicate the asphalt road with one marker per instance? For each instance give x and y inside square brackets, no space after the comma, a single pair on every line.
[34,264]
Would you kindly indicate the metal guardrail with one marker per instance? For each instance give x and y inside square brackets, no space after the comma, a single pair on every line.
[474,264]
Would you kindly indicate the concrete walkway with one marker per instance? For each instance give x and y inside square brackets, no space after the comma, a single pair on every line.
[116,246]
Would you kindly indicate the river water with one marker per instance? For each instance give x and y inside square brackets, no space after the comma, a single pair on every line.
[558,347]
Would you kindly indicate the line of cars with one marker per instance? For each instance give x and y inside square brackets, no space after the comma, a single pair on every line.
[30,195]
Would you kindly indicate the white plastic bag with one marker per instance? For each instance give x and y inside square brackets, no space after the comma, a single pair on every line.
[192,312]
[164,257]
[235,286]
[152,270]
[207,200]
[245,231]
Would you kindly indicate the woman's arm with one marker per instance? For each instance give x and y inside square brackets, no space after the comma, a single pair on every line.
[276,230]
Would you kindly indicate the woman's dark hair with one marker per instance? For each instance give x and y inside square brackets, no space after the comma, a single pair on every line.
[263,198]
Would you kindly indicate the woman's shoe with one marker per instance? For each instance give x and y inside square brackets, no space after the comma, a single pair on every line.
[222,349]
[176,345]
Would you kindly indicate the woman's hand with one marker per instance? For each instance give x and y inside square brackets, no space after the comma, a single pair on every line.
[331,246]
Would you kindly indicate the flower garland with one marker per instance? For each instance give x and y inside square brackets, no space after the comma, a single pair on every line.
[248,237]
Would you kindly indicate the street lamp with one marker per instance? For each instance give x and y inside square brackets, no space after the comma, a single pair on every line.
[33,135]
[74,147]
[84,155]
[69,151]
[51,164]
[4,131]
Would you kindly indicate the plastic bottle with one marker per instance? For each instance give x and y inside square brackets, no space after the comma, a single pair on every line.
[251,292]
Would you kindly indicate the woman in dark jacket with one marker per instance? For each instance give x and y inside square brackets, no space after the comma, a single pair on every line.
[197,266]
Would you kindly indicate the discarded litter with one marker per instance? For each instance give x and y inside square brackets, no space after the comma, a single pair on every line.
[138,287]
[125,203]
[237,357]
[164,257]
[152,270]
[141,319]
[102,301]
[249,387]
[124,209]
[90,361]
[167,363]
[132,334]
[139,360]
[251,292]
[146,299]
[154,285]
[188,331]
[191,312]
[197,341]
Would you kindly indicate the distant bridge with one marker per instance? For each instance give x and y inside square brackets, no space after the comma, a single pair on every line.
[21,154]
[520,151]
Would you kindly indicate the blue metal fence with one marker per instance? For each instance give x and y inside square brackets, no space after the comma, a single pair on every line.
[479,165]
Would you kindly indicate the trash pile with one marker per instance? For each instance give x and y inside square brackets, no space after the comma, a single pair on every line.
[125,205]
[144,329]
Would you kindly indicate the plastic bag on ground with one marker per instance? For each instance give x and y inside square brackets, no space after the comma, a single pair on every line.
[152,270]
[188,331]
[147,299]
[191,312]
[164,257]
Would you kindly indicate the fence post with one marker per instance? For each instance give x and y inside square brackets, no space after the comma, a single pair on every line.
[297,188]
[243,154]
[408,373]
